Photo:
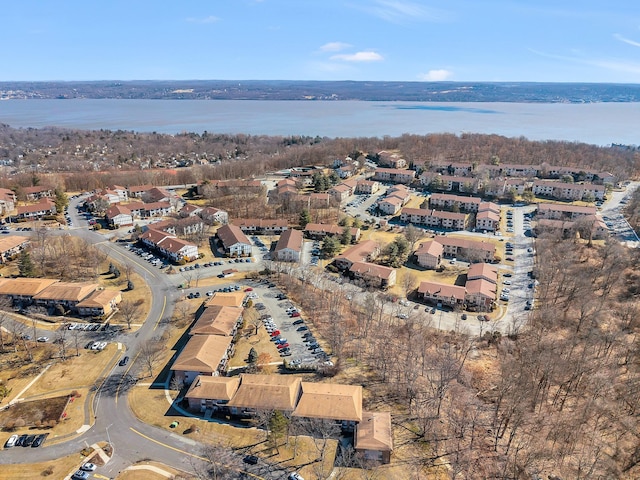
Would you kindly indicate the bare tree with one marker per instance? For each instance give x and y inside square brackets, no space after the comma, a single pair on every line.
[129,311]
[150,353]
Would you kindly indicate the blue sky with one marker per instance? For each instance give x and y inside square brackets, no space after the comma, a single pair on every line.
[393,40]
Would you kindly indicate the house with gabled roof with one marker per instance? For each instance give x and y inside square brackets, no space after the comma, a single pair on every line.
[202,355]
[37,192]
[211,393]
[138,191]
[218,320]
[429,254]
[10,246]
[67,294]
[99,303]
[44,207]
[22,290]
[212,215]
[320,230]
[339,402]
[442,293]
[234,242]
[261,226]
[373,275]
[289,246]
[118,216]
[169,245]
[266,392]
[373,437]
[361,252]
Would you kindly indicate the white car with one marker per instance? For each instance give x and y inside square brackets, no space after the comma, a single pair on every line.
[95,345]
[102,346]
[11,442]
[295,476]
[507,282]
[43,339]
[89,467]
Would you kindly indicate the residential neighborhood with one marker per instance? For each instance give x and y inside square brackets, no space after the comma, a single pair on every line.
[303,313]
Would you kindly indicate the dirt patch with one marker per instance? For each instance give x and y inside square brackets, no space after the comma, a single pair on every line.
[36,413]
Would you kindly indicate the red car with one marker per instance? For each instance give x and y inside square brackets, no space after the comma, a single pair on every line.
[275,333]
[248,289]
[295,314]
[282,345]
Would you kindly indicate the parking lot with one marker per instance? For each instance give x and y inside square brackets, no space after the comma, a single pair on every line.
[287,325]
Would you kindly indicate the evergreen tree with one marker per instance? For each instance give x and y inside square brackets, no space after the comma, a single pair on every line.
[61,200]
[330,246]
[25,265]
[345,238]
[278,425]
[305,218]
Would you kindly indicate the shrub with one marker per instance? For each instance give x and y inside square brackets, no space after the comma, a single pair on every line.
[47,471]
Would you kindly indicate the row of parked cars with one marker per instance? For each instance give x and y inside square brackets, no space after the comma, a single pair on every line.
[96,346]
[85,327]
[25,440]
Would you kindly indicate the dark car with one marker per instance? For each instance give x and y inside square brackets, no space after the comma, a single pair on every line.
[298,322]
[28,441]
[124,361]
[250,459]
[302,328]
[21,440]
[39,440]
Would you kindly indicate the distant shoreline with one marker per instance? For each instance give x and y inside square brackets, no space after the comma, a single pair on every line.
[509,92]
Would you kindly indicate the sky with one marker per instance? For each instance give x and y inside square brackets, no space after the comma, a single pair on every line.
[363,40]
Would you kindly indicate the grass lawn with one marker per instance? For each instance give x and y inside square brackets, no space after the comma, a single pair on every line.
[59,469]
[76,372]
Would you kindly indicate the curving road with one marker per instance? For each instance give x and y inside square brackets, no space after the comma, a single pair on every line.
[132,439]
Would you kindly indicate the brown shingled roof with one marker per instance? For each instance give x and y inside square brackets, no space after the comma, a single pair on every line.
[330,401]
[267,392]
[213,388]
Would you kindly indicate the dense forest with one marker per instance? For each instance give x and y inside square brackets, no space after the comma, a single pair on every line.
[84,160]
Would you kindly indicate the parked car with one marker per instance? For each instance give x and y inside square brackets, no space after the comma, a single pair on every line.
[28,441]
[295,476]
[89,467]
[80,475]
[39,440]
[295,314]
[299,321]
[43,339]
[11,441]
[124,361]
[282,345]
[250,459]
[21,440]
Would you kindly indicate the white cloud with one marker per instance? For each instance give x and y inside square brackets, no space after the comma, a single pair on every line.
[617,36]
[397,11]
[209,19]
[358,57]
[334,47]
[436,75]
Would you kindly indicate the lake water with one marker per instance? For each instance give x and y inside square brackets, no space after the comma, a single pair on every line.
[595,123]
